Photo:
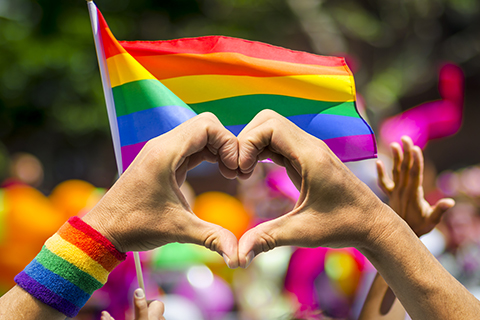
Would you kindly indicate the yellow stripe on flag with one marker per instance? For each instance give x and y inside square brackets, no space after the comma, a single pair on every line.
[202,88]
[123,68]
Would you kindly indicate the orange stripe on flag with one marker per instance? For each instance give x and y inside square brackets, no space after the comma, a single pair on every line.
[228,63]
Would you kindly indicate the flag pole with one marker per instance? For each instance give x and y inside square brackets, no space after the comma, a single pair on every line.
[112,116]
[107,88]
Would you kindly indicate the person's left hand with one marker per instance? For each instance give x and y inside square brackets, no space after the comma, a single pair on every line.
[405,191]
[151,310]
[334,209]
[145,208]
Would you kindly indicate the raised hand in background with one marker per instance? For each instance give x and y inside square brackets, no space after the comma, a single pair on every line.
[405,191]
[336,209]
[406,197]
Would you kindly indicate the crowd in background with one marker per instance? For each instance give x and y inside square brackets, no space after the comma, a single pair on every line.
[195,283]
[56,157]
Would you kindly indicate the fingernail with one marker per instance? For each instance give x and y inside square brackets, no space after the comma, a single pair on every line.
[249,259]
[447,205]
[227,261]
[139,293]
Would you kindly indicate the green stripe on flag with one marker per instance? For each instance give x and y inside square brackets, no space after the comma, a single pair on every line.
[142,95]
[240,110]
[147,94]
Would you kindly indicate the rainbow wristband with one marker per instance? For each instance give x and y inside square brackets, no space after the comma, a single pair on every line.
[72,264]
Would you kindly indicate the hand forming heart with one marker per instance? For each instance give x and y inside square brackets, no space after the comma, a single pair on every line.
[145,208]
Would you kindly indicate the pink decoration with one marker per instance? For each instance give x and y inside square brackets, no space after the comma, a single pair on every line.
[279,181]
[306,264]
[117,293]
[431,120]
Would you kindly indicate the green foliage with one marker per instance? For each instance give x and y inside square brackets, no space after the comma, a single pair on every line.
[4,164]
[50,84]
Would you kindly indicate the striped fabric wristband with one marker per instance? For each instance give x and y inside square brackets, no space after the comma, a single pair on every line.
[72,264]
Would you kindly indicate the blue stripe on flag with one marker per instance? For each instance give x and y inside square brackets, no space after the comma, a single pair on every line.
[147,124]
[323,126]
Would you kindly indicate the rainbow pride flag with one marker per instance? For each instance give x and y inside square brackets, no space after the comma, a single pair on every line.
[153,86]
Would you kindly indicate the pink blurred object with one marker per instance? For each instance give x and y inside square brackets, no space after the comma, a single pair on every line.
[431,120]
[116,295]
[214,298]
[306,264]
[279,181]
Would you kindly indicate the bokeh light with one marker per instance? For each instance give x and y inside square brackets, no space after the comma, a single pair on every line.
[200,277]
[417,71]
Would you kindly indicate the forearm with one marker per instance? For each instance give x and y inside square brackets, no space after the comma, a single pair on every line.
[18,304]
[424,287]
[381,303]
[71,265]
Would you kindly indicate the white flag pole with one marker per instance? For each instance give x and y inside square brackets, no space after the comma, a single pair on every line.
[107,88]
[112,115]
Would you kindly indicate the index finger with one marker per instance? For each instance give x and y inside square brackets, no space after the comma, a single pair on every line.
[156,309]
[407,161]
[269,130]
[205,131]
[416,171]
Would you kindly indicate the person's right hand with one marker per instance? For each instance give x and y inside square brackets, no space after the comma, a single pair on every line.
[334,209]
[145,208]
[405,191]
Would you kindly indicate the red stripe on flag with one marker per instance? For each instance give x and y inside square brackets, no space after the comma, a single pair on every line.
[211,44]
[111,46]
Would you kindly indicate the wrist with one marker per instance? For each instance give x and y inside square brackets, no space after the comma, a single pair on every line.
[385,223]
[72,264]
[388,240]
[103,224]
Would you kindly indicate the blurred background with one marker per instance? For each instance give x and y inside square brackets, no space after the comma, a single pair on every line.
[417,72]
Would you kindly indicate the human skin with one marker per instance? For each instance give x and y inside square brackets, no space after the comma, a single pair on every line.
[335,209]
[143,310]
[406,197]
[145,208]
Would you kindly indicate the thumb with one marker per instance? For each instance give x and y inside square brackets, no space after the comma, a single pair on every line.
[140,304]
[384,181]
[155,310]
[106,316]
[440,208]
[262,238]
[215,238]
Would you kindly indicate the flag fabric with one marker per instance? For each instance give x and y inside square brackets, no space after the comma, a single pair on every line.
[157,85]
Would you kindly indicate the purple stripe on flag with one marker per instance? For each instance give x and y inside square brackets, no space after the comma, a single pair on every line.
[45,295]
[349,148]
[130,152]
[353,148]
